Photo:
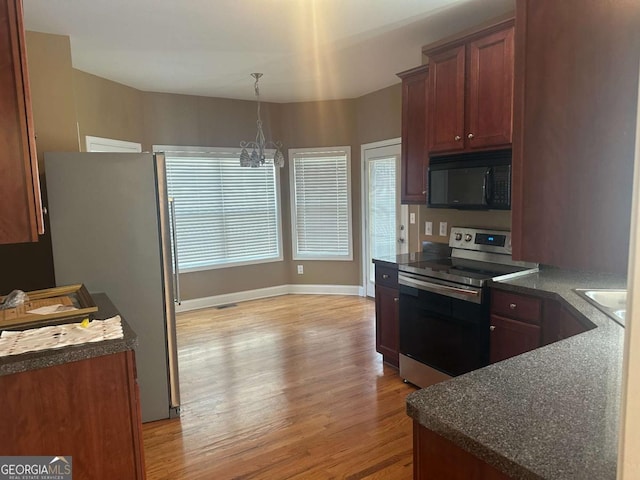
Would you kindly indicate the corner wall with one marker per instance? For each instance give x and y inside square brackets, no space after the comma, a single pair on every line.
[107,109]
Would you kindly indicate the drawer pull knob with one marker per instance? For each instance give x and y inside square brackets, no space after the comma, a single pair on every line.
[470,136]
[492,328]
[385,276]
[512,306]
[395,299]
[457,138]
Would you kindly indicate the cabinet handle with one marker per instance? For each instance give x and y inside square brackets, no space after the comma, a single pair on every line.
[492,328]
[457,138]
[385,276]
[424,192]
[470,136]
[512,306]
[395,299]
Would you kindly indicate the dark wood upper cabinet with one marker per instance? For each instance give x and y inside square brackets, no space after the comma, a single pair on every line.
[490,90]
[20,204]
[576,96]
[414,158]
[446,100]
[471,91]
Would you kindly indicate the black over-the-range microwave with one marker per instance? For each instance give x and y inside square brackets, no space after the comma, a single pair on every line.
[480,180]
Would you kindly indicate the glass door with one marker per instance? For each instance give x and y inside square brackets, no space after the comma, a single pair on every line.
[385,219]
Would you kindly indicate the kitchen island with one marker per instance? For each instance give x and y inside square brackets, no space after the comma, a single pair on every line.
[551,413]
[79,401]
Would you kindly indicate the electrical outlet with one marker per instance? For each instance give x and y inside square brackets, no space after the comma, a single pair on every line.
[412,218]
[300,269]
[428,228]
[443,229]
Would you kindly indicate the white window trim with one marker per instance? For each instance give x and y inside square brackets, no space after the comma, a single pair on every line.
[111,145]
[235,152]
[319,152]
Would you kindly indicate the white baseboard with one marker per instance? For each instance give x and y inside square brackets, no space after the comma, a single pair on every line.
[227,298]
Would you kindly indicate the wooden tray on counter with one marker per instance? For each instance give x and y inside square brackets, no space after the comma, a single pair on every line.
[71,295]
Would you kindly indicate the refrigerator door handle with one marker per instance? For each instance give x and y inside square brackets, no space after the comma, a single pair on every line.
[176,267]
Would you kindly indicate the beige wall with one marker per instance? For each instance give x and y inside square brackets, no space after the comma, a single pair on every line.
[203,121]
[216,122]
[379,115]
[324,124]
[107,109]
[104,108]
[499,220]
[29,266]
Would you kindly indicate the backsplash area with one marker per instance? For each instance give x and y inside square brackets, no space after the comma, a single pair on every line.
[494,219]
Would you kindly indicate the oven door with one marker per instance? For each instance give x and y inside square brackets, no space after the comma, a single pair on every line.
[443,326]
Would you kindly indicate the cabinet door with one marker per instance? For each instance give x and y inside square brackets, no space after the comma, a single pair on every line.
[558,323]
[20,206]
[88,409]
[387,328]
[414,130]
[446,100]
[573,143]
[510,338]
[490,91]
[436,458]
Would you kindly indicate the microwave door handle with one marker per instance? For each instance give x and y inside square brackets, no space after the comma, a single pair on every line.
[487,186]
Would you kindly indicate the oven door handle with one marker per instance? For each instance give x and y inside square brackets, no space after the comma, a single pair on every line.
[461,293]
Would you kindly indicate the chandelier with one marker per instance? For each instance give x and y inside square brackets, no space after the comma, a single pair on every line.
[257,156]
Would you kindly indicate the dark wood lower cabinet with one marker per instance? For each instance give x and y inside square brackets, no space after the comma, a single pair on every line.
[387,313]
[88,410]
[387,325]
[559,323]
[509,338]
[436,458]
[520,323]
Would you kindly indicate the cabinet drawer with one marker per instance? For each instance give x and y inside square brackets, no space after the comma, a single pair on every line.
[387,276]
[513,305]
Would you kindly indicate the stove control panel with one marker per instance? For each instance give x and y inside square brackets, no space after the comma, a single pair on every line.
[495,241]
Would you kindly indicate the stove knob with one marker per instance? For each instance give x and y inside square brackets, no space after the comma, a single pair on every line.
[468,237]
[458,237]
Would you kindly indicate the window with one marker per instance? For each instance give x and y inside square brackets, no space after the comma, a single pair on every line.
[226,215]
[99,144]
[321,203]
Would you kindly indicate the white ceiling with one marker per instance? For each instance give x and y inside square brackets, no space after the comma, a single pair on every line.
[307,49]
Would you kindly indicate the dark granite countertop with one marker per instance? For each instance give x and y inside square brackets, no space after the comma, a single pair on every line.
[551,413]
[48,358]
[430,251]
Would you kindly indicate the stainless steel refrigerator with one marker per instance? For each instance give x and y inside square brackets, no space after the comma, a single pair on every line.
[110,228]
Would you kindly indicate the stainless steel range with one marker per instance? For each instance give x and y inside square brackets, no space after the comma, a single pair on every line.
[444,305]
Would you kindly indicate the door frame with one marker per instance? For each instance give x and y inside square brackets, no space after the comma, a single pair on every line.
[363,205]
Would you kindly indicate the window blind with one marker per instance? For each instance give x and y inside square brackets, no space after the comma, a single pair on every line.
[321,204]
[225,214]
[382,207]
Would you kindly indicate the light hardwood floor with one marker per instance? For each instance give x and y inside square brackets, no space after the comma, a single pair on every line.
[283,388]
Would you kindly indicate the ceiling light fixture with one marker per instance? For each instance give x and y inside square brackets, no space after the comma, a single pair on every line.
[258,147]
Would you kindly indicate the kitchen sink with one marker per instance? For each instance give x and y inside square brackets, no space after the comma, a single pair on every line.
[612,302]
